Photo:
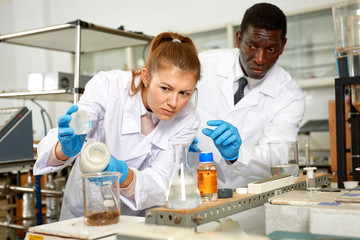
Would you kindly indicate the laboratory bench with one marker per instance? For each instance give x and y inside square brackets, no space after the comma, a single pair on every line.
[241,215]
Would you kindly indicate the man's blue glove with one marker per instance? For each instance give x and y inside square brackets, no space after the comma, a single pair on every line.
[226,138]
[71,143]
[118,166]
[193,147]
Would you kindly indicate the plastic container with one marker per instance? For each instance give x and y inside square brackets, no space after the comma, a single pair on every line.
[350,184]
[95,156]
[207,177]
[101,198]
[80,122]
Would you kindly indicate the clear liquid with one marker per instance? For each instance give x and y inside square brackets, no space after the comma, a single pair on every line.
[183,196]
[292,169]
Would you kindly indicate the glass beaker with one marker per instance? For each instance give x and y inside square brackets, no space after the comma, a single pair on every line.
[80,122]
[284,158]
[101,198]
[182,192]
[95,156]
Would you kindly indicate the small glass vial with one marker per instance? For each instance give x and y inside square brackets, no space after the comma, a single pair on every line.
[207,177]
[310,180]
[80,122]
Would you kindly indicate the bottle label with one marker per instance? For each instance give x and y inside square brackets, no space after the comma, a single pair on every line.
[207,181]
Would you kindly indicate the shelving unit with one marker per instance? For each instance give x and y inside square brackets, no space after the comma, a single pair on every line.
[77,37]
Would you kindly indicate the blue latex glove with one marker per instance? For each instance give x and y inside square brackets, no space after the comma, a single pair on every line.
[226,138]
[193,147]
[118,166]
[71,143]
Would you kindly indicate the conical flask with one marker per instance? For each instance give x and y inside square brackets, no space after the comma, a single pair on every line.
[182,192]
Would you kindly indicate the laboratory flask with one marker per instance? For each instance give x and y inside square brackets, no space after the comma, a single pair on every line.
[101,198]
[183,192]
[284,158]
[95,156]
[28,204]
[52,203]
[80,122]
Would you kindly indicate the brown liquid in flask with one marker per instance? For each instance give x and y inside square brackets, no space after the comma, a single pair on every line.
[207,177]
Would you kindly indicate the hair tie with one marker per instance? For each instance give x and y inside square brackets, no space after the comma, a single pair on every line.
[176,40]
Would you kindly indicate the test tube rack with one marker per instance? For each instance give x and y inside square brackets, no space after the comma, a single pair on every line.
[212,211]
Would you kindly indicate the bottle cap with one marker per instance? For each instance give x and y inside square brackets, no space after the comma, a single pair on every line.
[206,157]
[95,156]
[225,193]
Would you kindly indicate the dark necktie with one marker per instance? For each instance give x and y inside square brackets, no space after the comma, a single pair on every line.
[240,92]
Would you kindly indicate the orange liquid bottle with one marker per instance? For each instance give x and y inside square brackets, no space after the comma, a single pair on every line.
[207,177]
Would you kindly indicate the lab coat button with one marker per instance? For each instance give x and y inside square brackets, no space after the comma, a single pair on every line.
[229,116]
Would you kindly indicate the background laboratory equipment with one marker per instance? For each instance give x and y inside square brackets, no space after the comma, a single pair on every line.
[95,156]
[346,19]
[284,158]
[310,179]
[52,202]
[207,177]
[183,192]
[80,122]
[101,198]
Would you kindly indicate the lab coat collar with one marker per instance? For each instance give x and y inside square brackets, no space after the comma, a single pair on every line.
[226,71]
[132,125]
[131,117]
[268,86]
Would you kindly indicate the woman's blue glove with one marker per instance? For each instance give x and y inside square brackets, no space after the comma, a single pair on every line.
[226,138]
[118,166]
[71,143]
[193,147]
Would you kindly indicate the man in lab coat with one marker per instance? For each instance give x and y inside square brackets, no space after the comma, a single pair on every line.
[271,107]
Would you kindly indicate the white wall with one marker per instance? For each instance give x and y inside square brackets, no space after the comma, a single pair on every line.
[150,17]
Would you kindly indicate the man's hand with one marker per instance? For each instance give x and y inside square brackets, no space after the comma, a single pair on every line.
[226,138]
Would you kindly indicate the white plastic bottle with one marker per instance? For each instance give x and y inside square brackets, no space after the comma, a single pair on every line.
[95,156]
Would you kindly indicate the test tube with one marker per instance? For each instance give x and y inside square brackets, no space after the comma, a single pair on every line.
[310,180]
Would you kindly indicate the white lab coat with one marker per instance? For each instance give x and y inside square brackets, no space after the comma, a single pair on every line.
[271,111]
[116,122]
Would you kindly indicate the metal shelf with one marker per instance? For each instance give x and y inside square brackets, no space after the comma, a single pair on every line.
[77,37]
[55,95]
[62,37]
[212,211]
[16,165]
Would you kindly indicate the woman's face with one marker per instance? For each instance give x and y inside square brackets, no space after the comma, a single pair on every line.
[168,91]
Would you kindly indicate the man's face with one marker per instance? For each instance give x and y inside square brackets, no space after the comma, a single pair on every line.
[259,50]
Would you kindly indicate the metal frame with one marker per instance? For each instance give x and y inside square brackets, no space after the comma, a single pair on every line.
[340,85]
[195,218]
[30,37]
